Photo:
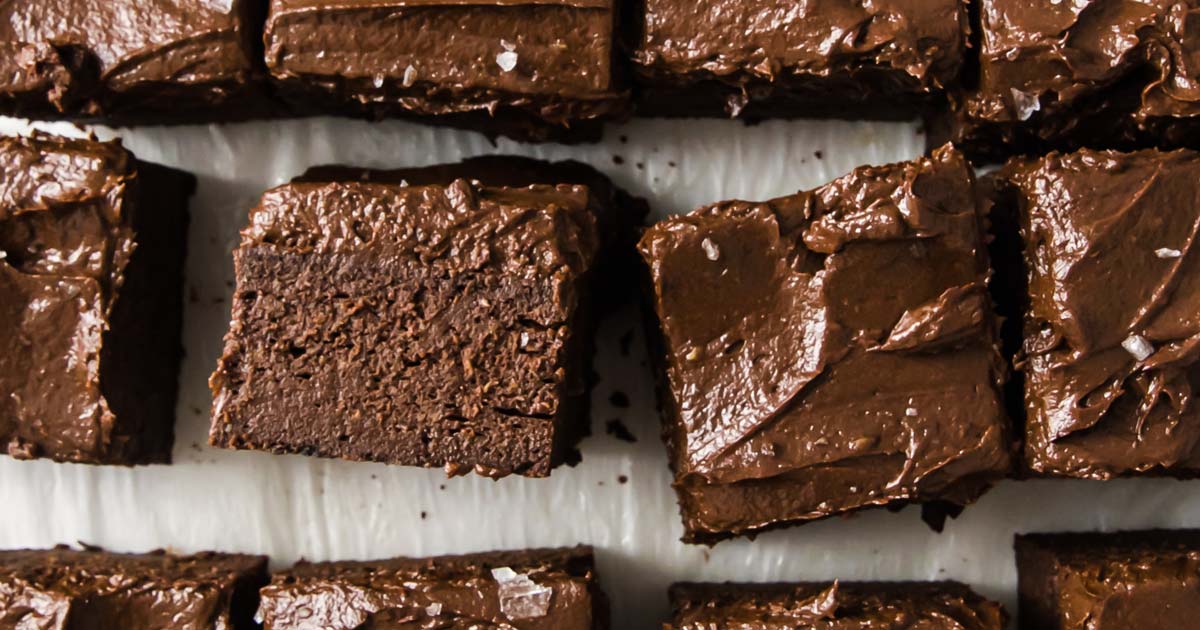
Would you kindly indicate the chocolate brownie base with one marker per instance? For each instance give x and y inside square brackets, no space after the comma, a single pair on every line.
[531,71]
[65,588]
[1140,580]
[128,63]
[550,589]
[777,59]
[91,275]
[833,606]
[1110,328]
[432,324]
[828,351]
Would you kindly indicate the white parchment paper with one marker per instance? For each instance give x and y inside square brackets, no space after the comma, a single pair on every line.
[291,506]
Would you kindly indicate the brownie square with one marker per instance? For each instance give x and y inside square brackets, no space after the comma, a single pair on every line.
[91,276]
[420,318]
[1111,323]
[1140,580]
[833,606]
[1064,75]
[529,70]
[129,62]
[828,351]
[66,588]
[778,58]
[538,589]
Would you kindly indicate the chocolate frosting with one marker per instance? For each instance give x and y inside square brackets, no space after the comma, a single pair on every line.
[128,61]
[836,606]
[63,588]
[1125,581]
[834,53]
[830,350]
[65,238]
[532,63]
[453,329]
[445,593]
[1112,333]
[1097,73]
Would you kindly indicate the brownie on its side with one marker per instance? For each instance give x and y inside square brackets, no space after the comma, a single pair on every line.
[1064,75]
[419,317]
[131,62]
[1111,326]
[829,351]
[539,589]
[833,606]
[777,58]
[91,278]
[1140,580]
[69,589]
[529,70]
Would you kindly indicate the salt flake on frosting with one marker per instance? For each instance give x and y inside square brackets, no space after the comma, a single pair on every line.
[410,76]
[434,609]
[224,6]
[1138,346]
[507,60]
[711,250]
[521,597]
[1167,252]
[1026,103]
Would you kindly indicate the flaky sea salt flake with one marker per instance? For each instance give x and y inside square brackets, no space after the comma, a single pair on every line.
[1167,252]
[507,60]
[1138,346]
[521,597]
[410,76]
[434,609]
[1026,103]
[711,251]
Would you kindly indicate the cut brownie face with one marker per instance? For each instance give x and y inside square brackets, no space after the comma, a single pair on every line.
[1112,325]
[419,323]
[541,589]
[530,70]
[130,62]
[1144,580]
[836,606]
[828,351]
[1099,73]
[91,265]
[64,588]
[778,58]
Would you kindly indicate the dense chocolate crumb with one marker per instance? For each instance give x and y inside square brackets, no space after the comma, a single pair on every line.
[618,160]
[619,399]
[622,479]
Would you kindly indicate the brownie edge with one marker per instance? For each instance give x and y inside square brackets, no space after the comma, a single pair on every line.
[534,589]
[92,246]
[441,316]
[92,588]
[832,606]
